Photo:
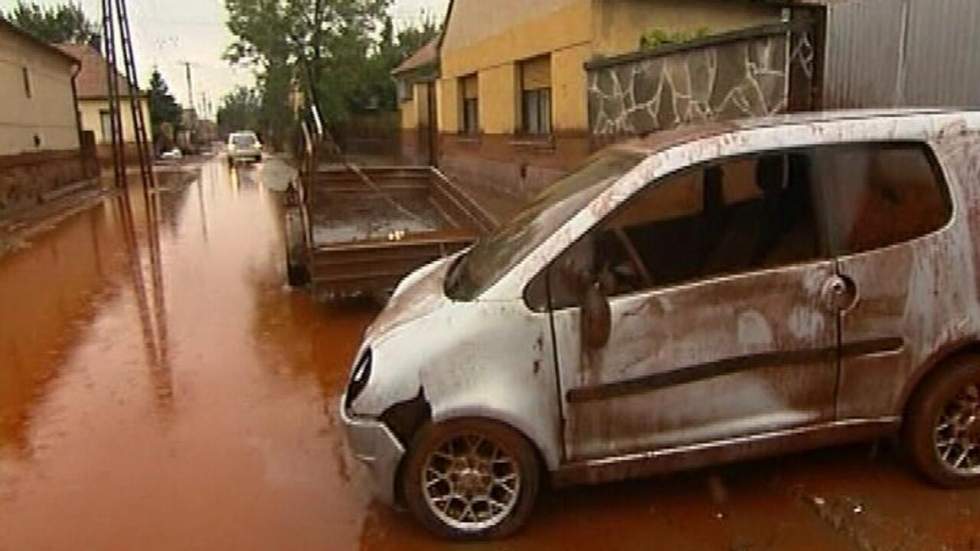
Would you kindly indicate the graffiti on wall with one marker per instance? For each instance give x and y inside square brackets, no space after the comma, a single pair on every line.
[712,79]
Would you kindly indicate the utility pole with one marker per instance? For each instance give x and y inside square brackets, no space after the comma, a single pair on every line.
[115,118]
[190,85]
[143,146]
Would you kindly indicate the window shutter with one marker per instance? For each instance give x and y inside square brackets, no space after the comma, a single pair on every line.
[470,87]
[536,73]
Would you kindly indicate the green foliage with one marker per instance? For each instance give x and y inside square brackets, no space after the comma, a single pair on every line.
[57,24]
[275,116]
[328,42]
[163,107]
[410,39]
[343,50]
[240,110]
[654,38]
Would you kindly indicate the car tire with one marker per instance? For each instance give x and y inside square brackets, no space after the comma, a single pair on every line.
[942,424]
[297,272]
[448,480]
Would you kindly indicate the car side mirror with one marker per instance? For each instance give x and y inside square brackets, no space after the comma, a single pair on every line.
[596,317]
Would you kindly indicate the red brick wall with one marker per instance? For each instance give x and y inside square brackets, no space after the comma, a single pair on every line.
[514,165]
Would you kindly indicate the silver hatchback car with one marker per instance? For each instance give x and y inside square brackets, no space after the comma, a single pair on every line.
[705,295]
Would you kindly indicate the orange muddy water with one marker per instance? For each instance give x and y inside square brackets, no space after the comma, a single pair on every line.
[160,388]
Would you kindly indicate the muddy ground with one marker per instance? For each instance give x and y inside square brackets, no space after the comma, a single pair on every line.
[160,388]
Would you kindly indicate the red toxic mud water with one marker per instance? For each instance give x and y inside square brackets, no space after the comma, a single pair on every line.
[160,388]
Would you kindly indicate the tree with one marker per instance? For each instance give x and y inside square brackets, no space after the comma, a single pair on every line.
[240,110]
[393,49]
[412,38]
[328,42]
[57,24]
[276,114]
[164,109]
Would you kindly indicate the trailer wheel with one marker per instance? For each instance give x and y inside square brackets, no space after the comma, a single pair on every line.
[297,272]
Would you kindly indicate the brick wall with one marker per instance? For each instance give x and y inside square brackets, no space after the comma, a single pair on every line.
[26,179]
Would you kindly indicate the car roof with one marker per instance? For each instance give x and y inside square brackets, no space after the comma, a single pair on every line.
[834,116]
[659,140]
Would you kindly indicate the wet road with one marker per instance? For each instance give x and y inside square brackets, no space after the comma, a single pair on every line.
[160,388]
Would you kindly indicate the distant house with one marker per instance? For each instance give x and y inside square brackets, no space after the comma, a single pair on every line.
[40,152]
[93,101]
[416,78]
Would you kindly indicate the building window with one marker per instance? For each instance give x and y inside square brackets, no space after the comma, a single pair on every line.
[536,96]
[406,90]
[470,99]
[27,81]
[105,120]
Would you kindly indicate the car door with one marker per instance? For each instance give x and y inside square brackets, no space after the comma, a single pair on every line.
[722,320]
[906,264]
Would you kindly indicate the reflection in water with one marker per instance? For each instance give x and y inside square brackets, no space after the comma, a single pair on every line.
[53,290]
[152,319]
[49,294]
[120,317]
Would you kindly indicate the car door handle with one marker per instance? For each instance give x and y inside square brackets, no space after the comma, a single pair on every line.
[839,292]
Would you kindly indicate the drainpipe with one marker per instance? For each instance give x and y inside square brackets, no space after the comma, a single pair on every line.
[77,68]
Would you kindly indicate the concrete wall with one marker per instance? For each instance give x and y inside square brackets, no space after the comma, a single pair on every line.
[90,109]
[409,110]
[491,39]
[474,22]
[48,113]
[746,75]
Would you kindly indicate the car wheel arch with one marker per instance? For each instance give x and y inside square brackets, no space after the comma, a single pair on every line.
[928,368]
[482,413]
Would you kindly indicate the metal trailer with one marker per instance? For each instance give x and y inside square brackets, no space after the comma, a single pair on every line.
[358,231]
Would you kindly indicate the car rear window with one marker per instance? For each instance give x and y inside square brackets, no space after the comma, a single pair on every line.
[243,140]
[881,194]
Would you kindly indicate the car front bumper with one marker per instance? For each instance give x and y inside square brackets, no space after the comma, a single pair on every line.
[374,445]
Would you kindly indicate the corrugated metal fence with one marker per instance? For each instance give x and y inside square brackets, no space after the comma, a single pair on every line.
[885,53]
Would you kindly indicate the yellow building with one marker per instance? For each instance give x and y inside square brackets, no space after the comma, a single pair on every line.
[511,99]
[39,138]
[93,101]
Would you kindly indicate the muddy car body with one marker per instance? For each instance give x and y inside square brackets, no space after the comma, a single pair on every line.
[704,295]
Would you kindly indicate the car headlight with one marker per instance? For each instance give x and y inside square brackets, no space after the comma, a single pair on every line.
[359,378]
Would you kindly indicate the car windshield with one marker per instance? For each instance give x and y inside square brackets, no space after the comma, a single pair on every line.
[496,254]
[243,140]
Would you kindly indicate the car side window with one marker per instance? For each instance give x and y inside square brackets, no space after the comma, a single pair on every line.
[725,218]
[881,194]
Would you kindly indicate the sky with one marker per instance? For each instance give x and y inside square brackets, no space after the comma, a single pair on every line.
[168,33]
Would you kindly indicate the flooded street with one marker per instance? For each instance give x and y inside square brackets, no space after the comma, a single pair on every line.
[161,388]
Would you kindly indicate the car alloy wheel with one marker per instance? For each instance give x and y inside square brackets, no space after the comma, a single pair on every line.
[471,483]
[957,432]
[470,478]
